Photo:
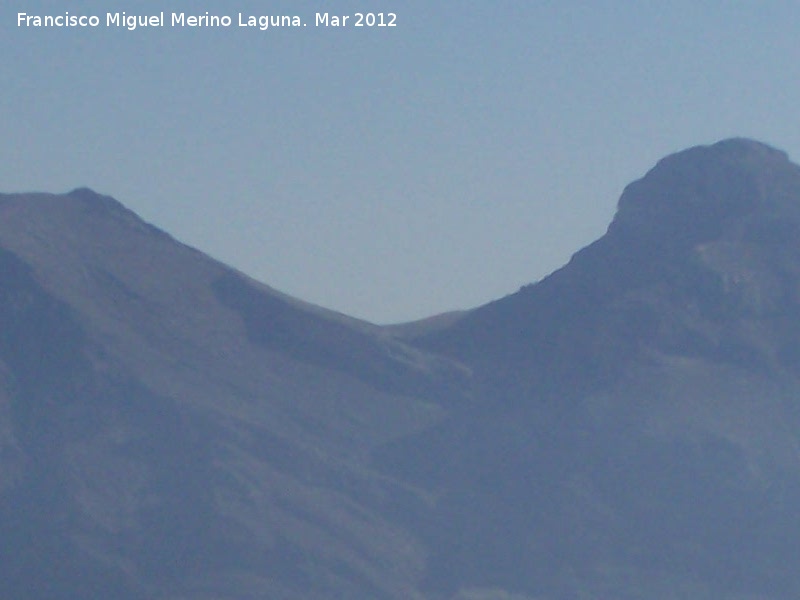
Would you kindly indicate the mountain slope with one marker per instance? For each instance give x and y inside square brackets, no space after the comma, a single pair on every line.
[169,428]
[708,239]
[626,428]
[636,431]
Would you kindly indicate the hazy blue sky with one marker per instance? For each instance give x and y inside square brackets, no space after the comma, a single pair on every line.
[389,173]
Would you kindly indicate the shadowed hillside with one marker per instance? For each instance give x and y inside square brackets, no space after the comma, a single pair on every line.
[636,432]
[169,428]
[626,428]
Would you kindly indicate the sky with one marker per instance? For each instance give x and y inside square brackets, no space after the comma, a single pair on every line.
[390,173]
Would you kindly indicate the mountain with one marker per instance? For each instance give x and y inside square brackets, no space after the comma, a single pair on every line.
[636,431]
[625,428]
[170,428]
[705,243]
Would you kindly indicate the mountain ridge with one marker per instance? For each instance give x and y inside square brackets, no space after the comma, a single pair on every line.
[632,255]
[626,427]
[651,377]
[142,410]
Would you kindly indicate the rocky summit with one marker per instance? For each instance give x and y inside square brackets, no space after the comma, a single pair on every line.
[625,428]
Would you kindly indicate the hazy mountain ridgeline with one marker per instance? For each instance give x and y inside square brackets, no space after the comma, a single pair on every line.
[625,428]
[171,428]
[637,429]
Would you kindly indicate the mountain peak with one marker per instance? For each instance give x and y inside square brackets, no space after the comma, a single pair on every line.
[94,200]
[708,236]
[83,191]
[694,195]
[742,147]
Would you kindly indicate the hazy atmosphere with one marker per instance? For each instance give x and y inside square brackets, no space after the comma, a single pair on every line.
[388,172]
[612,190]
